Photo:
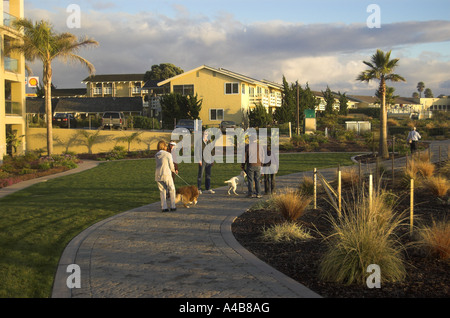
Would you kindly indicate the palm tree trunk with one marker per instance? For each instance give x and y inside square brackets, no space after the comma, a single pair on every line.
[47,77]
[383,149]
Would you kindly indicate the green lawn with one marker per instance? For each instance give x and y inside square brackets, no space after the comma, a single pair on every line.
[38,222]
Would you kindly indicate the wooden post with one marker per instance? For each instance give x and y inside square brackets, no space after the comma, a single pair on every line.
[315,188]
[411,208]
[290,130]
[339,192]
[370,192]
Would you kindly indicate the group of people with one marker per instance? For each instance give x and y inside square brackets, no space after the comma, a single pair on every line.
[166,170]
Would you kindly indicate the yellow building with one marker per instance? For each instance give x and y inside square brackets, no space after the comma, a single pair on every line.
[225,95]
[12,80]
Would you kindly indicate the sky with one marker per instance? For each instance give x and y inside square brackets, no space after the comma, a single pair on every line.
[320,43]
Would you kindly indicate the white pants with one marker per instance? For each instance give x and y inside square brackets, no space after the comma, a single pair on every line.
[164,187]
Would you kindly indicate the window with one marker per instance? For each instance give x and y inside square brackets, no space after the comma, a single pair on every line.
[216,114]
[231,88]
[243,89]
[184,89]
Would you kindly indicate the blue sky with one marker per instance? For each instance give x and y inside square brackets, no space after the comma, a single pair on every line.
[322,42]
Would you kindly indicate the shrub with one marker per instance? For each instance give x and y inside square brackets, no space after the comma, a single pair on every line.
[350,176]
[437,185]
[360,237]
[287,231]
[307,186]
[436,238]
[291,204]
[425,168]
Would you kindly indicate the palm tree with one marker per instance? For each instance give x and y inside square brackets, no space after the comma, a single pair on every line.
[39,41]
[381,68]
[420,88]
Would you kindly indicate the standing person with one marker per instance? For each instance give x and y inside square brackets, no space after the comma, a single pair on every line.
[204,168]
[413,138]
[252,166]
[163,176]
[270,169]
[171,145]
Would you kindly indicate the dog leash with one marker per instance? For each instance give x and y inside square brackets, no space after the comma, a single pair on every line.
[182,179]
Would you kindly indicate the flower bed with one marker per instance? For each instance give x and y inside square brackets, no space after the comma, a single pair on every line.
[33,165]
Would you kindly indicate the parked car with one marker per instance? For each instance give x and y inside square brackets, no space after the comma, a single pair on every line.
[64,120]
[187,124]
[113,120]
[227,124]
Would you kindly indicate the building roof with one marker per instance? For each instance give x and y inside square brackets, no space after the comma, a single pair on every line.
[114,78]
[229,73]
[69,92]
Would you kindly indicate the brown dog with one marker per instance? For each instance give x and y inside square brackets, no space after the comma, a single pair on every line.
[187,195]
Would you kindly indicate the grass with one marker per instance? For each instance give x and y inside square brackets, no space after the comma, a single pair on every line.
[438,186]
[291,204]
[38,222]
[360,237]
[436,238]
[285,232]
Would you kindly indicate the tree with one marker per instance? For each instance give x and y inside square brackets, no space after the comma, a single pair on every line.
[259,116]
[39,41]
[415,95]
[343,103]
[428,93]
[162,72]
[420,88]
[381,68]
[390,97]
[177,106]
[329,100]
[286,113]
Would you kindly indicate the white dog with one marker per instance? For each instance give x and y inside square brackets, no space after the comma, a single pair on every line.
[235,182]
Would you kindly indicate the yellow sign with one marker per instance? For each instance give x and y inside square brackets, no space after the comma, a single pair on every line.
[33,82]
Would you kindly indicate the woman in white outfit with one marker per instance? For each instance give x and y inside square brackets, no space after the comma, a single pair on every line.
[163,176]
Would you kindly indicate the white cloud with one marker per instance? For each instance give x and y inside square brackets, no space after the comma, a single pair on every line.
[320,54]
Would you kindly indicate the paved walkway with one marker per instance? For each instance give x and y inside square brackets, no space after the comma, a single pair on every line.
[190,253]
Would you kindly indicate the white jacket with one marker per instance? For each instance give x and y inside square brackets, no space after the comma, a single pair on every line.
[414,136]
[164,166]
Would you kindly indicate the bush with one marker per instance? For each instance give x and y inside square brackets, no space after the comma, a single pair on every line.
[437,185]
[287,231]
[291,204]
[360,237]
[436,239]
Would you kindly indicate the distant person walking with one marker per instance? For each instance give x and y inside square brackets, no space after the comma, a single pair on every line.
[413,138]
[204,168]
[163,176]
[270,167]
[252,166]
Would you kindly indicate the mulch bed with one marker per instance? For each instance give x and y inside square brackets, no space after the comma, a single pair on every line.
[427,275]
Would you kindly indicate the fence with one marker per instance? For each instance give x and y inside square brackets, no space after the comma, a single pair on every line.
[374,180]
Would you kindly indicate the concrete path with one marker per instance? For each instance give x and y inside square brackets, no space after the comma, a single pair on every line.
[190,253]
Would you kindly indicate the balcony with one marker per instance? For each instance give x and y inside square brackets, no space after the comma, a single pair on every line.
[8,19]
[11,65]
[13,108]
